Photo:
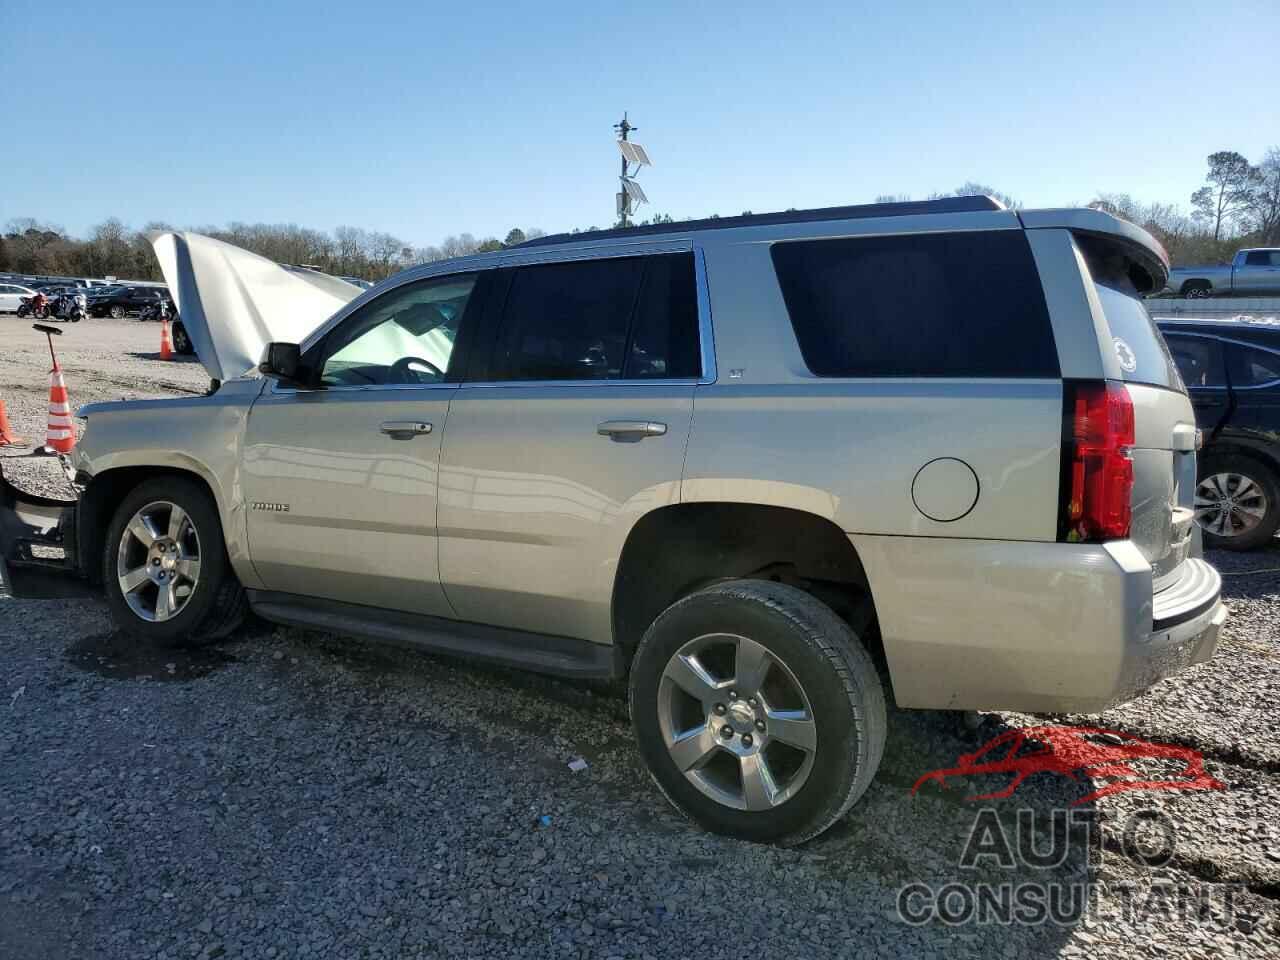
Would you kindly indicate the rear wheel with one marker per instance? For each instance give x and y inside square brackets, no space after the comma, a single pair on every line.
[757,711]
[165,570]
[181,341]
[1195,289]
[117,313]
[1237,502]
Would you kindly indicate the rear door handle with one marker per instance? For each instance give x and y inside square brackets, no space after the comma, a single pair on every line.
[630,431]
[405,429]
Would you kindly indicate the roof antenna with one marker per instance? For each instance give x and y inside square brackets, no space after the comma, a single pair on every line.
[630,192]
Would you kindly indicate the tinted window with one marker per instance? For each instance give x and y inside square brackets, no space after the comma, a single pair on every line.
[664,337]
[1257,258]
[928,305]
[1199,360]
[405,336]
[1252,367]
[631,317]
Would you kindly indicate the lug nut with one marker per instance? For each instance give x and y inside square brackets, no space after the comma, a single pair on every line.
[746,740]
[733,694]
[162,576]
[155,562]
[726,731]
[752,701]
[720,708]
[760,725]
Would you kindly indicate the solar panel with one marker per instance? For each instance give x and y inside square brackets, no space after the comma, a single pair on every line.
[634,153]
[634,191]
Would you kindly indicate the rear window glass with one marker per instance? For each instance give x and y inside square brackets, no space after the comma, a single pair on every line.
[925,305]
[1141,350]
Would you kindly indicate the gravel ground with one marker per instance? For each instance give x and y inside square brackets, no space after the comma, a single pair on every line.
[293,794]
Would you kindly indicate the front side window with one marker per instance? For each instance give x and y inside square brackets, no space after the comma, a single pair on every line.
[1252,367]
[625,318]
[1199,360]
[923,305]
[405,336]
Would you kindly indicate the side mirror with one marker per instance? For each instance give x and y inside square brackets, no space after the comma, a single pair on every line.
[283,362]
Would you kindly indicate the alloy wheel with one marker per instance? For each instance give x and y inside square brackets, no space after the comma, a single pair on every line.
[736,722]
[158,561]
[1230,504]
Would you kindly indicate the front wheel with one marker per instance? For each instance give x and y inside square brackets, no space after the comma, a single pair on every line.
[117,313]
[1237,502]
[757,710]
[165,571]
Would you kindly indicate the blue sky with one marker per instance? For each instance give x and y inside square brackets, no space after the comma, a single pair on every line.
[426,119]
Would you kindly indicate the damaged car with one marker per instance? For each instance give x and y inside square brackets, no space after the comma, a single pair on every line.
[769,469]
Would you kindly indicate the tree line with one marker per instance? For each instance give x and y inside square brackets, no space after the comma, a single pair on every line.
[1237,205]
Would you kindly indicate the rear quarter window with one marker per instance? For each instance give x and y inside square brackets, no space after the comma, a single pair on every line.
[925,305]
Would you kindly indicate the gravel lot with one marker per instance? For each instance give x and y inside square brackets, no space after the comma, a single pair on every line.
[293,794]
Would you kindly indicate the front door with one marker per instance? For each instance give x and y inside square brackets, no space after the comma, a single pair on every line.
[575,429]
[341,481]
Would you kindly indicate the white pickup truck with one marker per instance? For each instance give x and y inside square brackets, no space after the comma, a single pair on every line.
[1252,273]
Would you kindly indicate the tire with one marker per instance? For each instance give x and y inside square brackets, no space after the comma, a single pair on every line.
[181,342]
[1196,289]
[117,313]
[804,647]
[1237,502]
[214,603]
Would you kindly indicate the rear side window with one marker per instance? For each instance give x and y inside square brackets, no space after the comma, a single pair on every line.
[1199,360]
[1260,258]
[927,305]
[631,318]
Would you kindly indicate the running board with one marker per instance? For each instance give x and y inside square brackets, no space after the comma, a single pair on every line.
[538,652]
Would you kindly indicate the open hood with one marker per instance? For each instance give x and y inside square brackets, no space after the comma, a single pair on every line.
[233,302]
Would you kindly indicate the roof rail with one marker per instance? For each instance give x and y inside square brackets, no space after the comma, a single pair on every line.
[974,204]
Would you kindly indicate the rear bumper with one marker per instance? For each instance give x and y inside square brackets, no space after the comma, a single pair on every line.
[37,541]
[1038,627]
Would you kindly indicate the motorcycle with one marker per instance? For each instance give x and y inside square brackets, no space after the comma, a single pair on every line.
[71,307]
[34,306]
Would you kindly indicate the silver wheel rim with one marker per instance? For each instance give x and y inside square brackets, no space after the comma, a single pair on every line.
[158,561]
[736,722]
[1230,504]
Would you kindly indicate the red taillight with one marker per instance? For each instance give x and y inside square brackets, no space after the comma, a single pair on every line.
[1098,476]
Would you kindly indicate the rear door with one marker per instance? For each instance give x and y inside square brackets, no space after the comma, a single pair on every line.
[574,427]
[1201,362]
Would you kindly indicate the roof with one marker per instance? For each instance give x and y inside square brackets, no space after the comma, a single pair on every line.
[858,212]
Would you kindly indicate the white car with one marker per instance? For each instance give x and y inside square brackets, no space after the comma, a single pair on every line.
[11,295]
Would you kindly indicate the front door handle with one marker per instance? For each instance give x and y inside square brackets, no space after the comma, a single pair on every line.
[405,429]
[630,431]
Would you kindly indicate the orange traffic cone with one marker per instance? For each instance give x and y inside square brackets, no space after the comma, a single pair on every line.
[7,437]
[166,345]
[61,435]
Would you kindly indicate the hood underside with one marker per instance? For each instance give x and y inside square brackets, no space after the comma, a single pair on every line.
[233,302]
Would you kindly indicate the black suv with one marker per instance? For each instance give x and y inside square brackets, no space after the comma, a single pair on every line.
[121,301]
[1232,371]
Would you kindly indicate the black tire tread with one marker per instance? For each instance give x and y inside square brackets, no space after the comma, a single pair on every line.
[230,604]
[833,640]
